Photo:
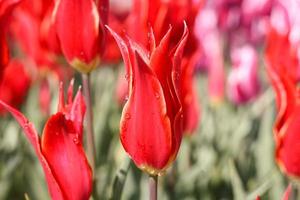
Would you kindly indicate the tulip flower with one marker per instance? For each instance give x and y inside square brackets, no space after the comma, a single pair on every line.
[80,29]
[151,122]
[282,66]
[14,90]
[243,82]
[34,31]
[6,7]
[60,150]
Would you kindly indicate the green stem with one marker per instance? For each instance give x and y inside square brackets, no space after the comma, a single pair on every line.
[152,187]
[91,151]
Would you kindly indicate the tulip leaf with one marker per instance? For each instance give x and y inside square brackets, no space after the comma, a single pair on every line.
[236,182]
[119,180]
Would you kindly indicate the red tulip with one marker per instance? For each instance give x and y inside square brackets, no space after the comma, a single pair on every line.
[80,29]
[282,65]
[151,123]
[60,150]
[14,90]
[6,7]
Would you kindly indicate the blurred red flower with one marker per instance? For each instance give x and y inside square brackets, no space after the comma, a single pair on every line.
[60,150]
[15,84]
[6,7]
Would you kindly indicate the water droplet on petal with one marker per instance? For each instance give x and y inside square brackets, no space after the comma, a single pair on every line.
[176,75]
[127,76]
[75,139]
[127,116]
[126,98]
[157,95]
[124,127]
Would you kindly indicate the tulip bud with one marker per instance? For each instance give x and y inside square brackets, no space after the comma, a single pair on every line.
[79,25]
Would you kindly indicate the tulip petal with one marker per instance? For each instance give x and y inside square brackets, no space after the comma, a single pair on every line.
[123,49]
[33,138]
[62,147]
[281,67]
[4,54]
[145,125]
[287,150]
[169,77]
[189,99]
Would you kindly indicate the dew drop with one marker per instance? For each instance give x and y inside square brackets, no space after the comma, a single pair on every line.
[75,139]
[157,95]
[26,126]
[124,127]
[127,116]
[127,77]
[126,98]
[176,75]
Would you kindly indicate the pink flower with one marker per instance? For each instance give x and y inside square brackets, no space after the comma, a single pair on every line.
[243,82]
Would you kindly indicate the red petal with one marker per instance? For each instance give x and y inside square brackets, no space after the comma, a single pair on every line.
[103,8]
[63,150]
[4,54]
[74,110]
[77,25]
[161,64]
[145,127]
[6,7]
[32,136]
[166,63]
[77,112]
[124,50]
[287,147]
[281,67]
[189,99]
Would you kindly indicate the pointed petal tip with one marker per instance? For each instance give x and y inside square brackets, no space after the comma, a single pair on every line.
[61,97]
[70,91]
